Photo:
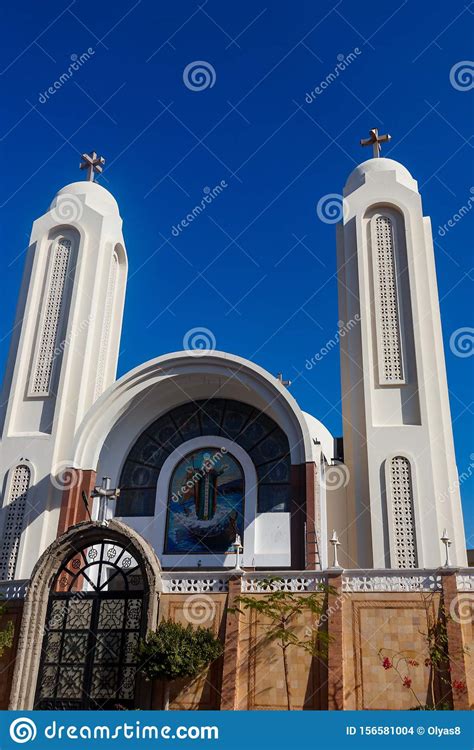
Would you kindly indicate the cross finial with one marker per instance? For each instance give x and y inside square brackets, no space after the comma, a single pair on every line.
[104,493]
[284,382]
[375,140]
[92,163]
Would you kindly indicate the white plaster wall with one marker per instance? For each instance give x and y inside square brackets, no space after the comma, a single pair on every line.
[42,429]
[370,437]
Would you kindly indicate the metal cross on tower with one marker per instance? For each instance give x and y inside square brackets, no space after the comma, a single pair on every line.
[92,163]
[286,383]
[375,140]
[104,493]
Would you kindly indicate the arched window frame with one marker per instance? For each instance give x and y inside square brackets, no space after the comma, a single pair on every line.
[16,549]
[391,509]
[113,280]
[267,538]
[250,507]
[397,223]
[71,235]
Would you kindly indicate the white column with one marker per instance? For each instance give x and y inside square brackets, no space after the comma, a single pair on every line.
[64,348]
[398,439]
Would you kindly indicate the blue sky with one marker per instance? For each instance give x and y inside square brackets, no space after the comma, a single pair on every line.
[257,267]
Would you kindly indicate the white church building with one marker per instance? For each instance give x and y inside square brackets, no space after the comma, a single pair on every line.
[205,451]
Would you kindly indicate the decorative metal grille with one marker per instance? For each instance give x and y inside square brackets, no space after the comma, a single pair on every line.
[388,315]
[403,516]
[107,325]
[50,325]
[94,621]
[15,515]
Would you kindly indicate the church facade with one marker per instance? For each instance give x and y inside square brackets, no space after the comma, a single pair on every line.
[192,479]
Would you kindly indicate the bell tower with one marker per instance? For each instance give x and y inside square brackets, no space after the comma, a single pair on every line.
[398,441]
[63,355]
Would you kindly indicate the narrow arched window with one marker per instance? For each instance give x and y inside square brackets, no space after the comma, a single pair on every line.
[14,514]
[107,325]
[49,345]
[387,304]
[403,514]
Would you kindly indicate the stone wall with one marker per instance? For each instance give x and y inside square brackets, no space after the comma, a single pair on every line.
[369,615]
[261,679]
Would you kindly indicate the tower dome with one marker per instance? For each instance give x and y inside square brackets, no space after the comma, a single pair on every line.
[367,169]
[84,193]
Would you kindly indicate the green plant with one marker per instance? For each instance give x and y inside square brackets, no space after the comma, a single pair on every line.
[174,651]
[6,633]
[282,609]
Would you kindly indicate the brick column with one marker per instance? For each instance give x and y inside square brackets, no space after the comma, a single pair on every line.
[455,640]
[335,678]
[312,553]
[230,669]
[72,507]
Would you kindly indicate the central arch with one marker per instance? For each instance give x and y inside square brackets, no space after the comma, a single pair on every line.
[58,577]
[167,381]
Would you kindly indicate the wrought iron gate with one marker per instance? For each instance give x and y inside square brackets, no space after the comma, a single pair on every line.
[94,621]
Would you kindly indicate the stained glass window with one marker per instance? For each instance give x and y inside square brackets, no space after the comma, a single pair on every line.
[250,428]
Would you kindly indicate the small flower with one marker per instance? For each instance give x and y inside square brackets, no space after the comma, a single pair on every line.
[387,663]
[459,686]
[412,662]
[427,662]
[407,681]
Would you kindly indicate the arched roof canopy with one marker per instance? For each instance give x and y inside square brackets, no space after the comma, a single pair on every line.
[137,399]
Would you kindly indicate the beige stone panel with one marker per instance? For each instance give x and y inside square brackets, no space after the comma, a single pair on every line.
[395,624]
[466,609]
[261,669]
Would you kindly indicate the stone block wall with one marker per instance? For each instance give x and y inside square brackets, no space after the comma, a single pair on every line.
[368,615]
